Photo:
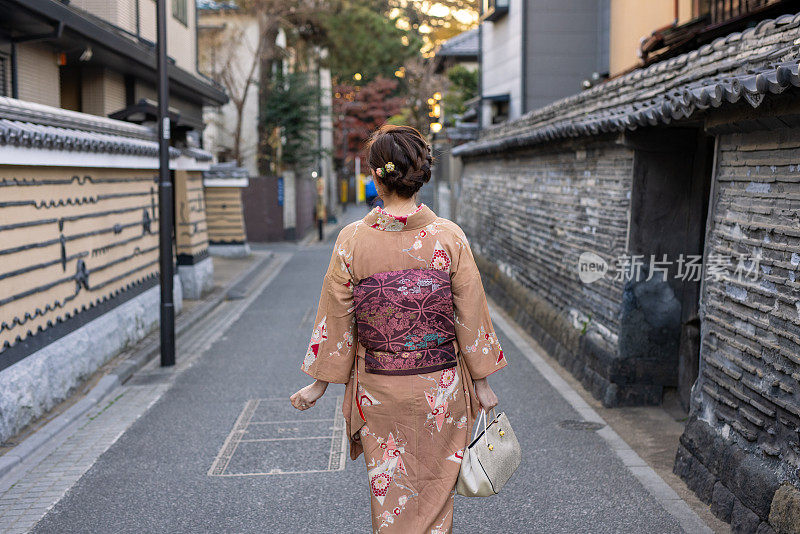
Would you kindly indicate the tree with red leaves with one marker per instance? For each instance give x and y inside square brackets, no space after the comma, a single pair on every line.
[357,111]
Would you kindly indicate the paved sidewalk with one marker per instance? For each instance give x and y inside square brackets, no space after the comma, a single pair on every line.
[24,503]
[215,447]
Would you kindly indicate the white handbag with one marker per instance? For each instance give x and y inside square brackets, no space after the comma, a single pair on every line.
[491,458]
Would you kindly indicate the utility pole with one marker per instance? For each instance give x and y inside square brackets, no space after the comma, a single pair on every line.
[165,195]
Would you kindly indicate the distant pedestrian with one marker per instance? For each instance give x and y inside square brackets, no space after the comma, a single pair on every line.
[319,209]
[403,321]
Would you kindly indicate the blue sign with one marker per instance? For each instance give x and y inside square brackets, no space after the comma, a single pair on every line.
[280,191]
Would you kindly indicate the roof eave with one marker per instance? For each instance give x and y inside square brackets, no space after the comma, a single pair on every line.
[124,47]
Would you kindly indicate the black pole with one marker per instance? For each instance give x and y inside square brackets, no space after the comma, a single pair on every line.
[165,195]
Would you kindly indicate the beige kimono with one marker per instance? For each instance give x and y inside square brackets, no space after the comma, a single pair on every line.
[412,428]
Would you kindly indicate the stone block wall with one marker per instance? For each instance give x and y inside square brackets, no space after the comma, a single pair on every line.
[741,450]
[529,215]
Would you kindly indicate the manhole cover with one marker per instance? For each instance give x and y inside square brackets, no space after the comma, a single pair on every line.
[572,424]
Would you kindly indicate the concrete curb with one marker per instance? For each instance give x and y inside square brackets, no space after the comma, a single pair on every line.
[660,490]
[24,450]
[118,376]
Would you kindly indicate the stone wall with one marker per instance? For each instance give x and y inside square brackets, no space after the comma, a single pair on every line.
[741,451]
[529,216]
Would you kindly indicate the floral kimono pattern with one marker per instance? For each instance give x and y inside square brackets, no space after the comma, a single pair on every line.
[409,400]
[405,321]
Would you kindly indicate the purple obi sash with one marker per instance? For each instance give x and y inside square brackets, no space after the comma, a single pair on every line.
[405,321]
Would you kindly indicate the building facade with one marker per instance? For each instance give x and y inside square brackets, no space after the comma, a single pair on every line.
[79,193]
[645,232]
[536,51]
[232,54]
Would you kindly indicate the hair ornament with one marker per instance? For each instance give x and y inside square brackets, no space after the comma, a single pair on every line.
[380,171]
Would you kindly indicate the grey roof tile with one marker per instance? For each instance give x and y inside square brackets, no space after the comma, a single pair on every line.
[198,154]
[226,170]
[463,44]
[32,125]
[750,65]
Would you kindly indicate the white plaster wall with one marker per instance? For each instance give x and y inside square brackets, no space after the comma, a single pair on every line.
[181,41]
[502,60]
[327,139]
[219,132]
[289,201]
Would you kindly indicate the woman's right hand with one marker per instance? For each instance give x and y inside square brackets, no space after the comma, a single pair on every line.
[485,395]
[308,396]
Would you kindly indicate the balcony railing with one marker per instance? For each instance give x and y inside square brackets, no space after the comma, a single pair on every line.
[722,11]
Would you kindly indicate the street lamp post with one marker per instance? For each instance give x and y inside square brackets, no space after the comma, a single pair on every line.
[165,195]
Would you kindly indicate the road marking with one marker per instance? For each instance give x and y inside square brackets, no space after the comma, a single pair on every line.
[33,488]
[292,421]
[232,441]
[281,439]
[660,490]
[307,318]
[231,450]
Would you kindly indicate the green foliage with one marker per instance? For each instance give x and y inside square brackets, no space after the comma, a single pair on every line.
[586,324]
[292,107]
[362,40]
[463,86]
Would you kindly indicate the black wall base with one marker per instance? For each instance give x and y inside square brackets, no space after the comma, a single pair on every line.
[612,380]
[739,486]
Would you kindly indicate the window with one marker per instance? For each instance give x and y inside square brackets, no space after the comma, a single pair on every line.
[499,106]
[4,75]
[495,9]
[180,10]
[499,111]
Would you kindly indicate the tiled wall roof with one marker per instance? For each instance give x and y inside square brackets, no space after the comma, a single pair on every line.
[464,44]
[745,65]
[225,170]
[28,124]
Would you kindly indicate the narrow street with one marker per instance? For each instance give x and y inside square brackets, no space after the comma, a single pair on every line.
[220,450]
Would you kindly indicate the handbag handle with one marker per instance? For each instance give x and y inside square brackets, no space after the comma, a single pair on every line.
[481,417]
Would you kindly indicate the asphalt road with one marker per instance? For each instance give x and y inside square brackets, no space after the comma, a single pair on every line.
[155,478]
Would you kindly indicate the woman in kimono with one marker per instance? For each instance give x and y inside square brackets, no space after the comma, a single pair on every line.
[403,321]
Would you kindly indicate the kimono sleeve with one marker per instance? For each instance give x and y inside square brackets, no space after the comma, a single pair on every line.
[331,351]
[474,331]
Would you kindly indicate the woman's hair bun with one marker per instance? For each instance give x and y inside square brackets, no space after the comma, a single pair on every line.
[409,154]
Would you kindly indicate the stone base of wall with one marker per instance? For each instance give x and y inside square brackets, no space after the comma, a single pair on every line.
[741,488]
[230,250]
[614,381]
[197,279]
[34,385]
